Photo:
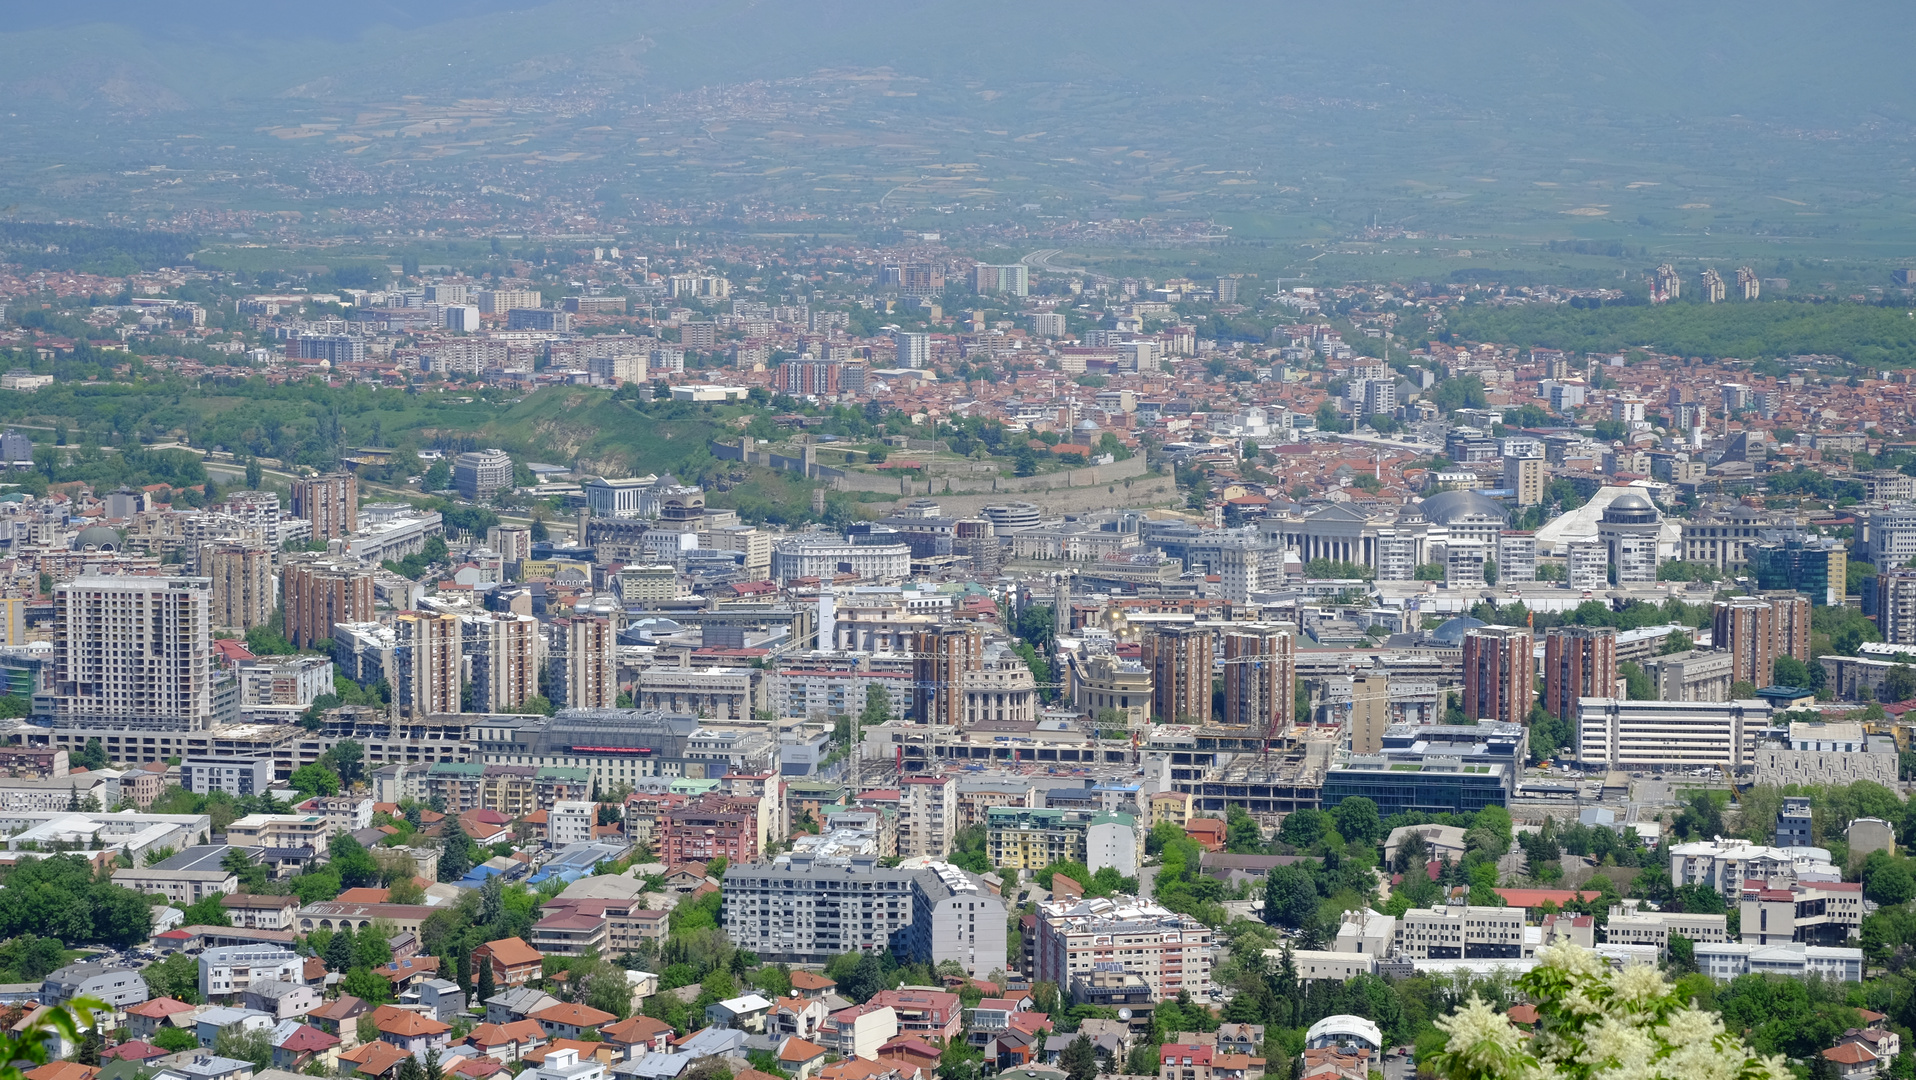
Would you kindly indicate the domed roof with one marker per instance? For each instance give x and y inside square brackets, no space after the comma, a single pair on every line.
[1452,632]
[1086,425]
[1632,501]
[1630,509]
[97,537]
[1448,507]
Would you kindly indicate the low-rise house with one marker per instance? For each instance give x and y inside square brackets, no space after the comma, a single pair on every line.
[859,1031]
[374,1059]
[746,1012]
[410,1031]
[1854,1061]
[306,1045]
[510,1041]
[911,1052]
[514,963]
[638,1035]
[571,1020]
[339,1016]
[209,1024]
[928,1013]
[802,1017]
[212,1067]
[227,971]
[144,1020]
[442,998]
[802,1058]
[517,1004]
[282,1000]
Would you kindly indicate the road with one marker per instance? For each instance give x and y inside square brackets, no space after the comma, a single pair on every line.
[1041,260]
[1147,880]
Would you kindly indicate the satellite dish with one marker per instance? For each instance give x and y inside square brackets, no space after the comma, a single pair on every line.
[1124,1014]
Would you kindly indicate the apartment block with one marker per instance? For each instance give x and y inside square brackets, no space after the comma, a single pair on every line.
[1171,952]
[1578,662]
[800,909]
[428,656]
[320,592]
[133,653]
[1460,932]
[1631,925]
[1806,912]
[1260,679]
[591,674]
[329,503]
[1180,660]
[1498,669]
[927,816]
[243,592]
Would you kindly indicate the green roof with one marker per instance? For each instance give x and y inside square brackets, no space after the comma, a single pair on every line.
[560,772]
[457,768]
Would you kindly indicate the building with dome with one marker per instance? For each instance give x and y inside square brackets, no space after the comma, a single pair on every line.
[97,538]
[1629,530]
[1392,541]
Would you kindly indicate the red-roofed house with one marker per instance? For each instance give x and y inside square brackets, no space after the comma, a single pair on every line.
[304,1046]
[134,1051]
[1209,832]
[801,1058]
[514,963]
[475,1068]
[1184,1061]
[641,1033]
[924,1012]
[570,1020]
[911,1051]
[148,1017]
[1854,1061]
[412,1032]
[508,1042]
[376,1058]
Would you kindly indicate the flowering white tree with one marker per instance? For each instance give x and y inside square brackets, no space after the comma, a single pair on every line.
[1595,1023]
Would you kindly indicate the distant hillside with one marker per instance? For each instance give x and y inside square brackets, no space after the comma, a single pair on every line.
[566,424]
[1762,59]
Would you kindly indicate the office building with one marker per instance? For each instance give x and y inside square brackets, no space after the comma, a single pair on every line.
[1260,678]
[320,592]
[1014,279]
[504,653]
[591,674]
[914,350]
[133,653]
[479,474]
[1498,672]
[1179,659]
[1631,925]
[1619,734]
[1419,783]
[428,655]
[1732,960]
[1806,912]
[244,595]
[1459,932]
[825,556]
[1819,754]
[1171,952]
[802,909]
[1817,567]
[941,656]
[1001,690]
[1578,662]
[513,543]
[329,503]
